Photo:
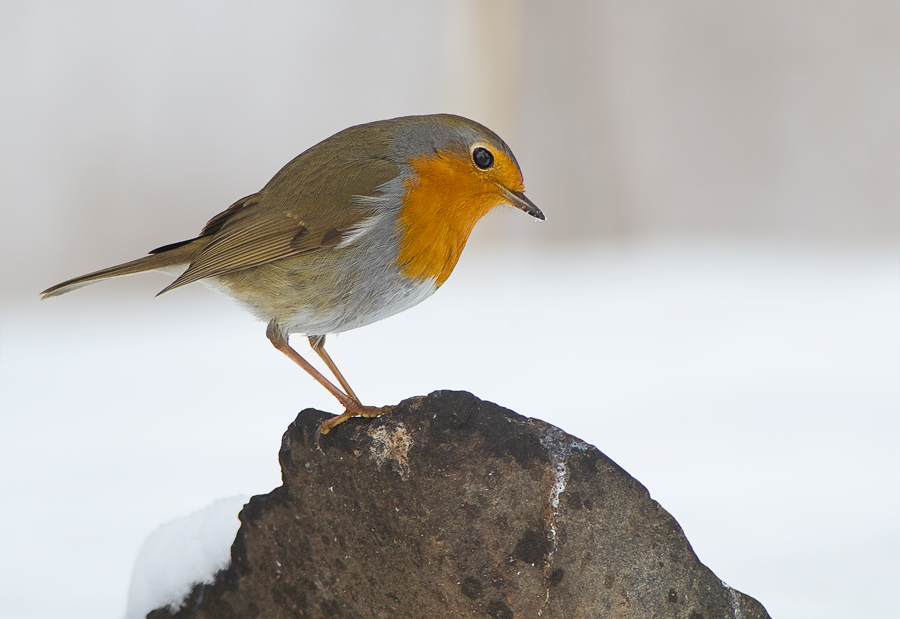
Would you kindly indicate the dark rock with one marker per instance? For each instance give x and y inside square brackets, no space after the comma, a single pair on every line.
[454,507]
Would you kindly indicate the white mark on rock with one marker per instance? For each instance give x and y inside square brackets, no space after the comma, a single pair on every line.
[558,447]
[735,603]
[391,444]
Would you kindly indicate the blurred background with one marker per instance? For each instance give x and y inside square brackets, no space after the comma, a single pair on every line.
[718,276]
[127,125]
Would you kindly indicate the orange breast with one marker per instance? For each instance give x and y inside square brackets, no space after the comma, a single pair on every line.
[442,203]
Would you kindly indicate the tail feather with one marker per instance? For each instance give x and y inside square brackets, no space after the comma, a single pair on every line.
[168,256]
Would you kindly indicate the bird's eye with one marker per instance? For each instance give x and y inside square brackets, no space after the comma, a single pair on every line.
[483,158]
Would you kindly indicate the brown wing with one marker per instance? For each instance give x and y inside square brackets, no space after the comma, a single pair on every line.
[307,206]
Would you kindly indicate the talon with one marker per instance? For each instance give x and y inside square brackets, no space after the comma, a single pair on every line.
[354,410]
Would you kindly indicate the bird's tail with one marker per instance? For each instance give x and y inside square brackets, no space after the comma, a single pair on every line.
[176,254]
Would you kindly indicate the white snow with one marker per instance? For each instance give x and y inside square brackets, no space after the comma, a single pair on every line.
[181,553]
[754,390]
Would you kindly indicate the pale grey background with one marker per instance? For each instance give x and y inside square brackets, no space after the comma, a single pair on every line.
[127,125]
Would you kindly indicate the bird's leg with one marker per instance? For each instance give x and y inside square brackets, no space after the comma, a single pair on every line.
[318,344]
[357,409]
[352,406]
[280,342]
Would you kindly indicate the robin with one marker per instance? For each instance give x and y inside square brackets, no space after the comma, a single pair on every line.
[361,226]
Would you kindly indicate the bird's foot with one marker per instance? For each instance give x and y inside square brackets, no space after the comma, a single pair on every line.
[355,409]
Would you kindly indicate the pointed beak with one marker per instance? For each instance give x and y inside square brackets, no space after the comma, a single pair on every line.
[518,200]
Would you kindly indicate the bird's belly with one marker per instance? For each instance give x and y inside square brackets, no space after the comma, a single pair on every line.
[354,311]
[318,295]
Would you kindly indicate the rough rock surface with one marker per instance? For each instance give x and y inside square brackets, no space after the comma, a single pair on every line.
[454,507]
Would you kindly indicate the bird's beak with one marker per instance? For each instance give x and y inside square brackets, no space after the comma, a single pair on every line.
[518,200]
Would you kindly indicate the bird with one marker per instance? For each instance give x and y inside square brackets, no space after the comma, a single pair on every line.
[361,226]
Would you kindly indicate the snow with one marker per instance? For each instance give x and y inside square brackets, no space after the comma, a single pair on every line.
[181,553]
[753,389]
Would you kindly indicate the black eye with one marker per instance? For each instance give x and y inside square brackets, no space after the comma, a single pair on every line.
[483,158]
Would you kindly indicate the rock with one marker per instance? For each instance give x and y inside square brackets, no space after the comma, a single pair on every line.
[454,507]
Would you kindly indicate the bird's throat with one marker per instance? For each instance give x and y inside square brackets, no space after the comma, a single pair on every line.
[441,204]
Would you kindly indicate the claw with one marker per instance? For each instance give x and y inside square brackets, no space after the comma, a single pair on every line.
[357,410]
